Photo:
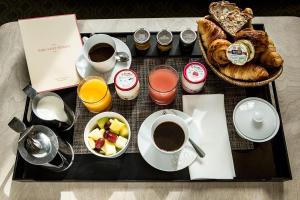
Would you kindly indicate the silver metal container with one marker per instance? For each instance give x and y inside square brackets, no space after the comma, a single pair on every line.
[39,145]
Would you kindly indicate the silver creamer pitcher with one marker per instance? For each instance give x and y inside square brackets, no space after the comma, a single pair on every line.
[39,145]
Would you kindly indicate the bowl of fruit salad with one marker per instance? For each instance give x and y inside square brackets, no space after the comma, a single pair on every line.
[107,135]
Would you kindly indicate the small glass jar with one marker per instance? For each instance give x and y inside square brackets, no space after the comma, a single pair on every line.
[193,77]
[240,52]
[164,40]
[250,47]
[187,40]
[142,39]
[127,84]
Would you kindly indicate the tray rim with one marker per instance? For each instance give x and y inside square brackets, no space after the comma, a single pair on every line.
[272,179]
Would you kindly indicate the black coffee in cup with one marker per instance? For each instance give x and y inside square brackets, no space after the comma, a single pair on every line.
[101,52]
[169,136]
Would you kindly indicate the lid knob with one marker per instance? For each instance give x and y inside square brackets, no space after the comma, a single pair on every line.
[258,117]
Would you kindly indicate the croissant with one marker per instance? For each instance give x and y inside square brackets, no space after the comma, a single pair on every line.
[209,31]
[216,52]
[258,38]
[271,57]
[247,72]
[249,23]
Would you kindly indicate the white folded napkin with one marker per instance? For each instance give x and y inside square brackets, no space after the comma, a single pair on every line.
[208,113]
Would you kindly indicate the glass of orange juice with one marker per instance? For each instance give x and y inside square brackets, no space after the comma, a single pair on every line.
[94,94]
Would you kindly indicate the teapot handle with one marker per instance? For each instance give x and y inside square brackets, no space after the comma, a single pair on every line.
[17,125]
[30,92]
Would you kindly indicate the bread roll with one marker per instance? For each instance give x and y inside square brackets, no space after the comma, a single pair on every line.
[230,17]
[216,52]
[209,31]
[247,72]
[271,58]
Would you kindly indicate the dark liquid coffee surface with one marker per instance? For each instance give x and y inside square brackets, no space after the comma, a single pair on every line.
[168,136]
[101,52]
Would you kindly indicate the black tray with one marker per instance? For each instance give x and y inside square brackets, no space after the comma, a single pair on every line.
[266,162]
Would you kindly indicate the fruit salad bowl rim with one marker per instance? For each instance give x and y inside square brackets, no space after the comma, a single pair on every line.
[93,122]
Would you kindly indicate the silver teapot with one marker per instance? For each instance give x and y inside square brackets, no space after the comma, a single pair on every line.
[39,145]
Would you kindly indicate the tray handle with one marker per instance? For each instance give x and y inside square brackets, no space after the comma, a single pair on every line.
[275,98]
[27,112]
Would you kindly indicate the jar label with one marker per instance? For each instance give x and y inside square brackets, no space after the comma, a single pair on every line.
[195,73]
[126,79]
[237,53]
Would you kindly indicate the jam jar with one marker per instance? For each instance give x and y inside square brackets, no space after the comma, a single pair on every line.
[164,40]
[193,77]
[240,52]
[142,39]
[187,40]
[127,84]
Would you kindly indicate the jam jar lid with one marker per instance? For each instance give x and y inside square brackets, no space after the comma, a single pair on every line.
[238,53]
[195,72]
[141,36]
[125,79]
[164,37]
[188,36]
[250,47]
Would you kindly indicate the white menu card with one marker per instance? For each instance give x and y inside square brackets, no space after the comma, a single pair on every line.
[52,45]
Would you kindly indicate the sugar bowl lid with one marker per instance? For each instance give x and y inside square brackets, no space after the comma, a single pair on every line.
[256,119]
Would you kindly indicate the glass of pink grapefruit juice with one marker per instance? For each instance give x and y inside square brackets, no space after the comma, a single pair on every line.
[162,84]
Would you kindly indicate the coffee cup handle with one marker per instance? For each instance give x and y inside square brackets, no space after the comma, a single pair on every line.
[188,120]
[84,39]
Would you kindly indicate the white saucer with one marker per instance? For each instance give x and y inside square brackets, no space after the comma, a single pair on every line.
[84,69]
[157,159]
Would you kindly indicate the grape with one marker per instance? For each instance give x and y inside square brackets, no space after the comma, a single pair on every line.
[105,134]
[111,137]
[107,125]
[99,143]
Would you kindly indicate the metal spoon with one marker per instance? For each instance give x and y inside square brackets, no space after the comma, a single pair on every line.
[122,57]
[38,144]
[199,151]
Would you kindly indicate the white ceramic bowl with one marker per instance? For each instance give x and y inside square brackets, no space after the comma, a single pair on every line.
[91,125]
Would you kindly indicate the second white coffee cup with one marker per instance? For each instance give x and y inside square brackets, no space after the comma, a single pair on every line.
[174,119]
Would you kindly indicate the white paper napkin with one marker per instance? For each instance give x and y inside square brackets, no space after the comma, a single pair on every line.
[208,113]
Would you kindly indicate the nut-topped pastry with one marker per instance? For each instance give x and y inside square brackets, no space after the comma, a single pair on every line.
[229,16]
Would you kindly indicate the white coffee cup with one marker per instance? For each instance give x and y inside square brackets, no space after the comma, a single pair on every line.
[174,119]
[103,66]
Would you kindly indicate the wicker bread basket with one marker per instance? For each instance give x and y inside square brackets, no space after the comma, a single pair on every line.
[274,74]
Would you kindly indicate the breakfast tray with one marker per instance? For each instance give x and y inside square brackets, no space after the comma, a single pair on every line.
[253,162]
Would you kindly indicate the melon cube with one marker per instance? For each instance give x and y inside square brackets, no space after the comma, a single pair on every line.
[121,142]
[109,148]
[124,132]
[92,143]
[116,126]
[96,134]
